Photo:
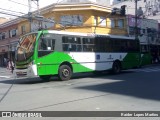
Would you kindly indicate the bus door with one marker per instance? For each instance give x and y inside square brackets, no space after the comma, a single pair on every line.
[45,58]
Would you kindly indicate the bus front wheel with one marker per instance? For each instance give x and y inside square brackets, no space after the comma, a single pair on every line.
[116,68]
[64,72]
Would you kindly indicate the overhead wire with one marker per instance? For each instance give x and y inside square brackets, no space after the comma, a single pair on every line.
[20,4]
[12,11]
[13,15]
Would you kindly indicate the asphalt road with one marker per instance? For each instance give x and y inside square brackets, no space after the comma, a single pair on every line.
[132,90]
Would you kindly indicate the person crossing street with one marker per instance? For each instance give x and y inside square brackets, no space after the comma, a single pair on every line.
[10,65]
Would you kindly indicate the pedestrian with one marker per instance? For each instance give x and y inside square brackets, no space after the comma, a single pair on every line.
[10,65]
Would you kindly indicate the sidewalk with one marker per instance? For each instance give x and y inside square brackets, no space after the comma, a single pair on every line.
[5,73]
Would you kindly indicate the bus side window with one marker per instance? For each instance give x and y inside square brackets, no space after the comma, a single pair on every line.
[65,47]
[88,44]
[46,45]
[51,44]
[78,48]
[71,44]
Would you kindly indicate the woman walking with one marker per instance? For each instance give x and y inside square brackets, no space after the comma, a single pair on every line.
[10,65]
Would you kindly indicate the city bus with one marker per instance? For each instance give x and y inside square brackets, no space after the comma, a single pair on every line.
[49,52]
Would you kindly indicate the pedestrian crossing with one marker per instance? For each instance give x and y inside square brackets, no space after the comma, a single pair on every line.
[147,70]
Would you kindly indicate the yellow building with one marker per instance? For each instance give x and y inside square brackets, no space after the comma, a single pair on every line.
[2,20]
[82,17]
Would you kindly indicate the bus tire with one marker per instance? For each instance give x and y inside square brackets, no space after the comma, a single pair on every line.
[45,77]
[64,72]
[116,67]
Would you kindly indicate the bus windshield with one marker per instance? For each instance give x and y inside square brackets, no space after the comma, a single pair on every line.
[26,46]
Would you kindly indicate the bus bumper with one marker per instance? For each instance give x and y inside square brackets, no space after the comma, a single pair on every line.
[31,71]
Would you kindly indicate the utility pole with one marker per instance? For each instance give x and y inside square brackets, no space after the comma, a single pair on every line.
[30,17]
[30,14]
[136,30]
[39,15]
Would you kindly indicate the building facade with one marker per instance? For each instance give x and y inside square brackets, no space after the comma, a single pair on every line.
[8,40]
[147,32]
[83,17]
[149,9]
[148,14]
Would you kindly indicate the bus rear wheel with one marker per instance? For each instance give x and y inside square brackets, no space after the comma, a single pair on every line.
[116,68]
[64,72]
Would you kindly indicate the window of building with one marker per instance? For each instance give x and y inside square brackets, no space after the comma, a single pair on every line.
[3,35]
[71,20]
[103,21]
[23,29]
[112,23]
[13,33]
[121,23]
[95,20]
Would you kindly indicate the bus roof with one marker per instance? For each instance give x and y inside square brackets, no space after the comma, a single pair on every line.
[89,34]
[86,34]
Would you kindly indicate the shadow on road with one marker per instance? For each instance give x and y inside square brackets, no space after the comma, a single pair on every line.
[26,81]
[145,85]
[37,80]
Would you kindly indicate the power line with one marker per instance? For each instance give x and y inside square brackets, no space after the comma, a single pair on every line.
[13,15]
[12,11]
[20,4]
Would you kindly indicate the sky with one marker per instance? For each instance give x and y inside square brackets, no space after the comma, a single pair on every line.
[21,6]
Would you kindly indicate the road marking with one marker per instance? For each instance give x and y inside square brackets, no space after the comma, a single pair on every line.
[5,76]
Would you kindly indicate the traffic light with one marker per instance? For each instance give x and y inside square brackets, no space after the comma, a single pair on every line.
[113,12]
[123,10]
